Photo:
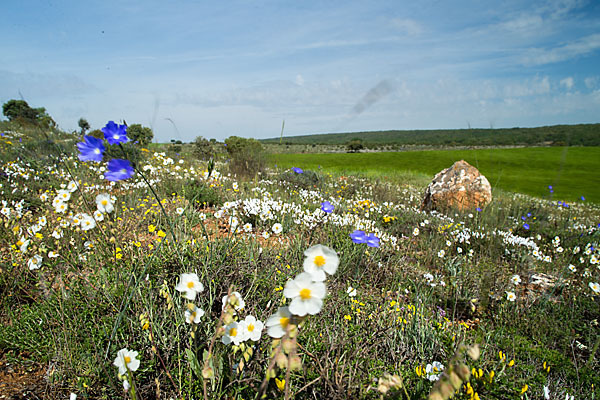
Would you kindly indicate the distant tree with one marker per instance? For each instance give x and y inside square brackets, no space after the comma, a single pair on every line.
[203,149]
[355,145]
[20,111]
[84,125]
[141,134]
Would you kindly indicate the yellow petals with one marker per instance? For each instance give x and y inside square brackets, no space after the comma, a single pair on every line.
[280,384]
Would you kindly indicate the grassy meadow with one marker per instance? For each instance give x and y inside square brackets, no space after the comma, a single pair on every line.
[185,281]
[572,171]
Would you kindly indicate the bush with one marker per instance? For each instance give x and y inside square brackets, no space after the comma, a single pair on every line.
[247,156]
[141,134]
[203,149]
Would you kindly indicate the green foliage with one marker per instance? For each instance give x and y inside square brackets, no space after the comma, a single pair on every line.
[247,156]
[97,133]
[571,135]
[305,180]
[83,125]
[140,134]
[355,145]
[203,149]
[20,111]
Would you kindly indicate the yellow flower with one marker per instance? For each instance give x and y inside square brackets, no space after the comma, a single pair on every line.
[524,388]
[161,234]
[511,363]
[151,228]
[280,384]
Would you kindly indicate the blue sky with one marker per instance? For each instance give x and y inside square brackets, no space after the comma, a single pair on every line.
[189,68]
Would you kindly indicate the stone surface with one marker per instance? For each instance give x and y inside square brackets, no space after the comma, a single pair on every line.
[461,186]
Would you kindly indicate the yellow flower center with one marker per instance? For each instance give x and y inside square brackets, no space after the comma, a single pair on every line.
[250,328]
[104,202]
[284,321]
[305,294]
[190,284]
[319,261]
[233,332]
[127,359]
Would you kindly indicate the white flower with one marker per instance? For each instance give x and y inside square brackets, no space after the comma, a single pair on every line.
[277,228]
[52,254]
[87,222]
[320,260]
[179,210]
[235,299]
[266,235]
[247,227]
[76,219]
[233,334]
[416,232]
[98,216]
[104,203]
[434,370]
[189,285]
[35,262]
[126,360]
[510,296]
[278,322]
[73,396]
[72,186]
[252,328]
[546,393]
[126,385]
[44,196]
[351,291]
[572,268]
[515,279]
[23,243]
[307,295]
[193,314]
[441,253]
[60,207]
[235,186]
[63,195]
[595,287]
[428,277]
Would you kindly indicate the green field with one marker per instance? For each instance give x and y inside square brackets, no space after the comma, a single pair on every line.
[572,171]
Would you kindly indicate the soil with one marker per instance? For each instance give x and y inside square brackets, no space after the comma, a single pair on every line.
[21,379]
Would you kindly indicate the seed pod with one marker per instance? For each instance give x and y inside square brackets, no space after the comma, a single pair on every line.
[463,372]
[455,380]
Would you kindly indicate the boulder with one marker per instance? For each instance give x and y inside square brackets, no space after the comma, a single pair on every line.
[461,186]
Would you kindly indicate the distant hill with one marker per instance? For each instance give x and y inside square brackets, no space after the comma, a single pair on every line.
[557,135]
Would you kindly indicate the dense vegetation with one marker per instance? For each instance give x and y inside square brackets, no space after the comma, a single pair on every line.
[557,135]
[98,283]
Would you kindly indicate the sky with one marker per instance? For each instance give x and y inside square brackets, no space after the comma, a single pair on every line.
[216,69]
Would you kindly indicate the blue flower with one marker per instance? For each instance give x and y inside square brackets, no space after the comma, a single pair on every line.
[372,240]
[582,198]
[118,170]
[358,237]
[478,209]
[297,170]
[565,205]
[114,133]
[91,149]
[327,206]
[550,187]
[523,218]
[526,226]
[528,215]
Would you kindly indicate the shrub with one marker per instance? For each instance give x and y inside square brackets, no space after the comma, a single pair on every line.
[247,156]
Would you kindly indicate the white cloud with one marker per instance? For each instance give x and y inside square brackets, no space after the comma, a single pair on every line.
[407,26]
[299,80]
[591,82]
[580,47]
[567,82]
